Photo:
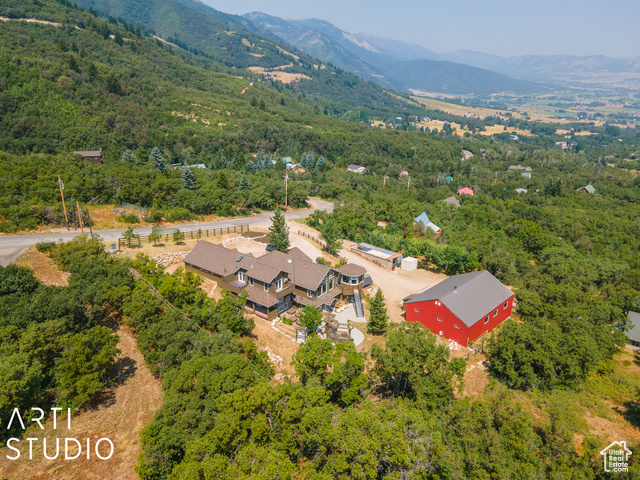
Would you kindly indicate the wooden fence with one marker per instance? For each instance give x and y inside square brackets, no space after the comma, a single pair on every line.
[311,237]
[168,237]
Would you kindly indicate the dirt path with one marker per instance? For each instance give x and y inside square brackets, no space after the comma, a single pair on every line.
[119,417]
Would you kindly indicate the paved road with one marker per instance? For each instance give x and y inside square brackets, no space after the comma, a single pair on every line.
[12,246]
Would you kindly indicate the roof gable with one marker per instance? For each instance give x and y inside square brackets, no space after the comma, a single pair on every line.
[469,296]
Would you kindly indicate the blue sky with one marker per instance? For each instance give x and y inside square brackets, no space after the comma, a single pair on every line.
[501,27]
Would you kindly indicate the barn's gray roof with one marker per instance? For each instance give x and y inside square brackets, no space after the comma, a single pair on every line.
[634,326]
[469,296]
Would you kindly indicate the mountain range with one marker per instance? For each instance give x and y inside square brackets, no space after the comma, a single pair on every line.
[390,63]
[404,65]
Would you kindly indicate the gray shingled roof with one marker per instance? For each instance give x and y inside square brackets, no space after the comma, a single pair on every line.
[634,323]
[352,270]
[469,296]
[223,261]
[259,295]
[452,200]
[218,259]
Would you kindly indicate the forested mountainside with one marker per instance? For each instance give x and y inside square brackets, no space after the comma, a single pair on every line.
[396,410]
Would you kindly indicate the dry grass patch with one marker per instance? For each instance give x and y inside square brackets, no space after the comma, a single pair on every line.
[43,267]
[119,416]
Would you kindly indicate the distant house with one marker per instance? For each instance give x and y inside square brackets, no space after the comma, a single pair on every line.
[382,224]
[562,145]
[94,155]
[198,165]
[466,155]
[461,308]
[176,165]
[519,168]
[452,201]
[356,169]
[403,173]
[521,190]
[423,218]
[513,137]
[633,323]
[587,189]
[465,191]
[297,168]
[444,179]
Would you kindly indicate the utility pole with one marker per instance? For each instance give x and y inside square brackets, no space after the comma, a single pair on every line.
[408,182]
[384,183]
[80,216]
[286,191]
[64,207]
[89,222]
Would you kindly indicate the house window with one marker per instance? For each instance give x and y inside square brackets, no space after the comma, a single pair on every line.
[457,326]
[331,284]
[322,289]
[486,320]
[506,304]
[417,310]
[354,280]
[241,277]
[251,281]
[266,287]
[495,313]
[309,293]
[278,285]
[345,279]
[439,319]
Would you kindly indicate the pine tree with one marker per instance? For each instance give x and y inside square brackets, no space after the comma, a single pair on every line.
[186,176]
[279,233]
[320,164]
[244,185]
[157,158]
[128,157]
[379,319]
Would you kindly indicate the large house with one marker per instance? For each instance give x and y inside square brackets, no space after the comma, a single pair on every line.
[276,281]
[462,307]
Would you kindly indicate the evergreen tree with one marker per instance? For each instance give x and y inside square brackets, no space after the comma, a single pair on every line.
[379,319]
[279,233]
[157,158]
[128,157]
[186,176]
[244,185]
[320,164]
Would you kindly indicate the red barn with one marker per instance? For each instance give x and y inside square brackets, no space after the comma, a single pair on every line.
[462,307]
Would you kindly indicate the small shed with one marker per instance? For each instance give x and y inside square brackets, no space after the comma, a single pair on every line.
[633,323]
[94,155]
[409,264]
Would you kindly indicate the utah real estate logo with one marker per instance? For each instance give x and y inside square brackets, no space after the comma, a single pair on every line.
[616,457]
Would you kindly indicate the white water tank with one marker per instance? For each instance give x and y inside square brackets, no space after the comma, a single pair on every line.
[409,264]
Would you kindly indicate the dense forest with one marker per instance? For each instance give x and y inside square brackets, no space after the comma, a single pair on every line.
[392,412]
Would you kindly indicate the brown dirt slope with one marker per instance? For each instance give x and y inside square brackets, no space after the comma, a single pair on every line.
[120,416]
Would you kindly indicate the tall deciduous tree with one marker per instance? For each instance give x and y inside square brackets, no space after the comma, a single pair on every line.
[331,233]
[279,232]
